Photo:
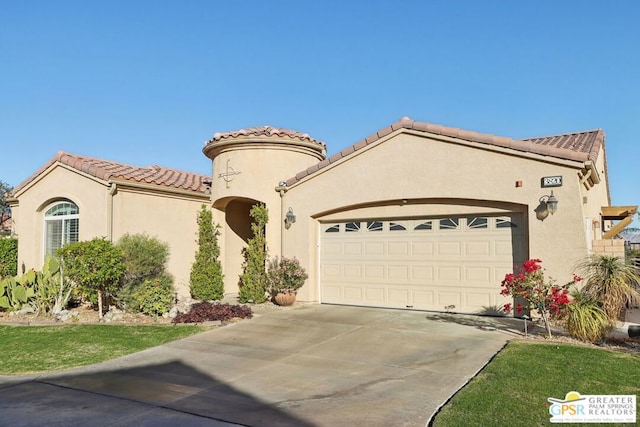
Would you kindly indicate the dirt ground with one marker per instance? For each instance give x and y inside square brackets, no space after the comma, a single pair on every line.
[83,314]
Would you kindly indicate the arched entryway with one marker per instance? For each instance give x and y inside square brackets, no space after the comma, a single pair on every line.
[232,214]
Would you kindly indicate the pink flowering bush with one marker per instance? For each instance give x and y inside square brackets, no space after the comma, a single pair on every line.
[285,275]
[528,283]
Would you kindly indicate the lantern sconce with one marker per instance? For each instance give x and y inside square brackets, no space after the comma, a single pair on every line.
[289,219]
[548,205]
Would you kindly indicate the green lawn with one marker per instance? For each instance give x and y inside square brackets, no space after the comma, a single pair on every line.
[35,349]
[513,389]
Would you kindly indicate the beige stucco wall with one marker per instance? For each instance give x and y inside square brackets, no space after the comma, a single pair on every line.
[418,169]
[55,184]
[167,216]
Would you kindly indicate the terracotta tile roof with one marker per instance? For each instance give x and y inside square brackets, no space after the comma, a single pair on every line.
[5,221]
[264,131]
[107,170]
[579,146]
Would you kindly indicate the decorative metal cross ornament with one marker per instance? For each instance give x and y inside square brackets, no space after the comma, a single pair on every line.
[228,175]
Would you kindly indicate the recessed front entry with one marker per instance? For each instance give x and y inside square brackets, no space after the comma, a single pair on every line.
[449,263]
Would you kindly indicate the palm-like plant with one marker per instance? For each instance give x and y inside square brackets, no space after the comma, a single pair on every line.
[611,282]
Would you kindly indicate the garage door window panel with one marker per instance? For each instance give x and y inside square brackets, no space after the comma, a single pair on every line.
[374,226]
[505,223]
[477,223]
[350,227]
[333,229]
[449,224]
[425,225]
[396,226]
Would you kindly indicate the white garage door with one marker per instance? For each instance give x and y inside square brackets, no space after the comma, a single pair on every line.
[443,264]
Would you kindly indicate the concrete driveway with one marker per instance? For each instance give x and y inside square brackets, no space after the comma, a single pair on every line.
[312,365]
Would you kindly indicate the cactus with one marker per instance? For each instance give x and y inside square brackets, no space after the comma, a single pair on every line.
[47,290]
[16,292]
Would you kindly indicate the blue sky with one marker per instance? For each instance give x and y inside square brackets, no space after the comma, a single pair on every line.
[147,82]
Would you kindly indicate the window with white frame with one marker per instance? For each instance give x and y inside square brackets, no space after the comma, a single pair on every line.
[61,226]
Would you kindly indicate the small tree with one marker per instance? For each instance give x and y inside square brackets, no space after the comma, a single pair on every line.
[94,265]
[5,211]
[206,278]
[253,281]
[544,296]
[4,189]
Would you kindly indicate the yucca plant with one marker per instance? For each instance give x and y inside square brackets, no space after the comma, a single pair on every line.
[585,319]
[611,282]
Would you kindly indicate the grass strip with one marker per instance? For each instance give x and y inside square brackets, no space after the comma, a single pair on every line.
[35,349]
[513,388]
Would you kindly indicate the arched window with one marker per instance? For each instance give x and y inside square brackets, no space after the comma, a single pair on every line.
[61,223]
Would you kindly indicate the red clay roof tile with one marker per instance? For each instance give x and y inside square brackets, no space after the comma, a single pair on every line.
[266,131]
[577,146]
[107,170]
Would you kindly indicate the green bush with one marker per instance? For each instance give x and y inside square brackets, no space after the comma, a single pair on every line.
[206,280]
[253,281]
[95,266]
[153,297]
[8,257]
[585,319]
[144,258]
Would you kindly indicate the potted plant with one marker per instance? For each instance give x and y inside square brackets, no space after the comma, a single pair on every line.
[284,277]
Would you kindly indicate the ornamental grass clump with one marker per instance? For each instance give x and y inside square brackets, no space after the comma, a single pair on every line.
[544,296]
[285,276]
[612,282]
[585,319]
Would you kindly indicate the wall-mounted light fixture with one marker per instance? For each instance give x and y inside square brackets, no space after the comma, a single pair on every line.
[289,219]
[548,205]
[207,185]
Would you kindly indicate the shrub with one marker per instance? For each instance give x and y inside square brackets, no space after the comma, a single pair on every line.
[585,319]
[530,285]
[206,280]
[253,281]
[144,258]
[611,282]
[8,257]
[285,275]
[94,265]
[206,311]
[153,297]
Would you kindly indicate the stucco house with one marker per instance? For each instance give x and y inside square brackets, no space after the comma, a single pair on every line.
[74,198]
[416,215]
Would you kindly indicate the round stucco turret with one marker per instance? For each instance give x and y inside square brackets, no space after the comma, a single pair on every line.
[250,163]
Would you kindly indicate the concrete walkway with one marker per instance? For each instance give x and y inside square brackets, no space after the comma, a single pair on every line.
[312,365]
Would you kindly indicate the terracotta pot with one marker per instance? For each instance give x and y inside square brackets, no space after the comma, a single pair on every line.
[285,299]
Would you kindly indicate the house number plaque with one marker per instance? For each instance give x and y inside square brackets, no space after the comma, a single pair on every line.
[551,181]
